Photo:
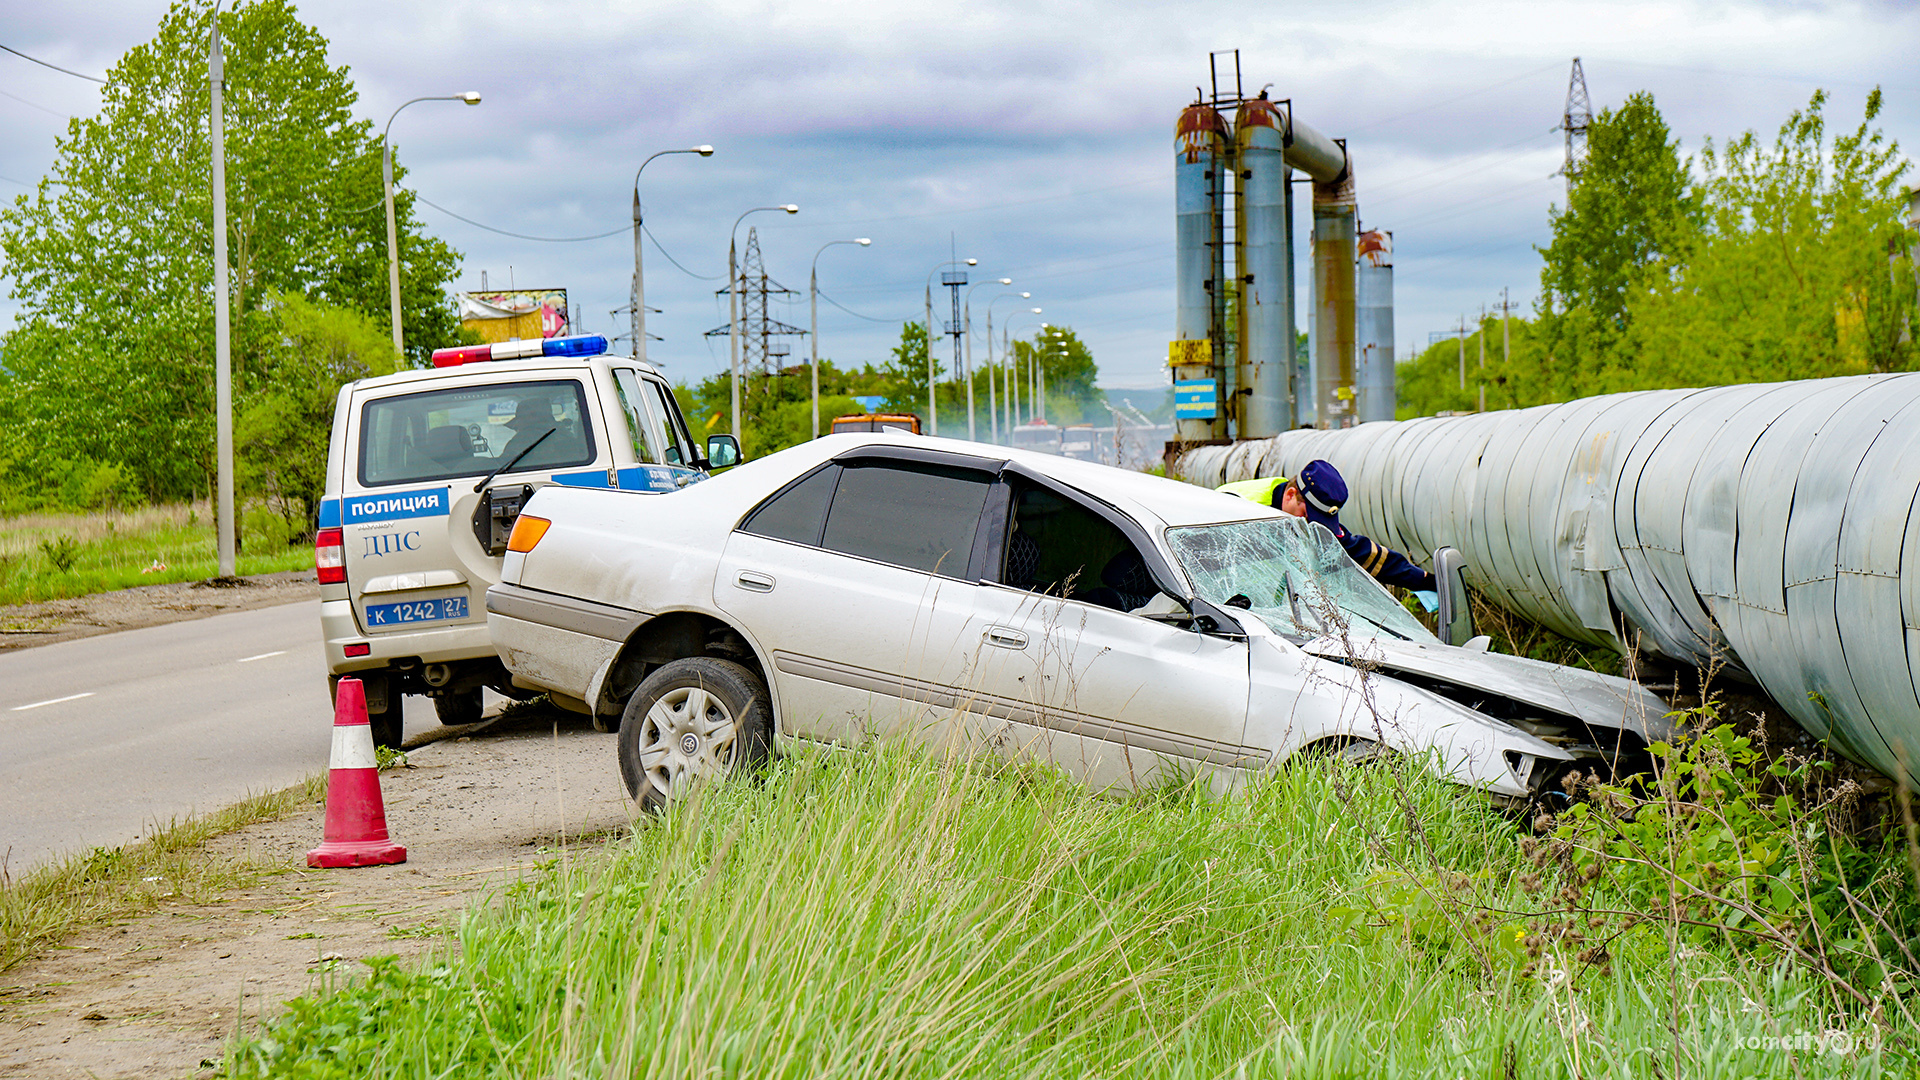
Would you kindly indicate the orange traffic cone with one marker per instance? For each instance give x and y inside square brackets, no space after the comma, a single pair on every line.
[356,818]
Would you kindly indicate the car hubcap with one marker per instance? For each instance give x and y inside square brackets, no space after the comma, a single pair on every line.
[687,735]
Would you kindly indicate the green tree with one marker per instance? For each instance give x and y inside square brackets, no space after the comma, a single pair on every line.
[111,260]
[1632,215]
[907,371]
[281,436]
[1801,273]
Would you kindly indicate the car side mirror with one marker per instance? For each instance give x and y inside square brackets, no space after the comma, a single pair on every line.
[1449,575]
[723,451]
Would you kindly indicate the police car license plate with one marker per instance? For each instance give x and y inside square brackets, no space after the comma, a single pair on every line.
[416,611]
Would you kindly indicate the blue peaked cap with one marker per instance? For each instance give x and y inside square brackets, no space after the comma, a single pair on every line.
[1324,490]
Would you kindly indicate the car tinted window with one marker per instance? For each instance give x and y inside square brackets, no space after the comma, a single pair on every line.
[917,516]
[797,513]
[640,429]
[471,430]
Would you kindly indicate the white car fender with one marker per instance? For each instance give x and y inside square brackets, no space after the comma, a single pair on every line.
[1298,700]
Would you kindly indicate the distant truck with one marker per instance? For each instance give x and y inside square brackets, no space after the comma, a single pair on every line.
[876,422]
[426,474]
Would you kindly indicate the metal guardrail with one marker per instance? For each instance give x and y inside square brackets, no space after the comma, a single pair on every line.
[1770,527]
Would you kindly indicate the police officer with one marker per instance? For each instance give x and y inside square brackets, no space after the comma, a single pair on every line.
[1318,496]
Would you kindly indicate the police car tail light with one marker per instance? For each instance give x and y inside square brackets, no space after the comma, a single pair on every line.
[578,345]
[330,556]
[527,531]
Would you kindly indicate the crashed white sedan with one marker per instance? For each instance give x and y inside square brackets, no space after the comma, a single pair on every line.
[1128,629]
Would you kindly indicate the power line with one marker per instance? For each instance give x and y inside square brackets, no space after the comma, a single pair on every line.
[1458,97]
[520,236]
[34,105]
[856,314]
[55,67]
[674,261]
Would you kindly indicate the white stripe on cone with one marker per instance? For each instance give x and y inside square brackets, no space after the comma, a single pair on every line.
[353,747]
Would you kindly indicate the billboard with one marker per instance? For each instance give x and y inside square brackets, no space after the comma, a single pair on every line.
[507,314]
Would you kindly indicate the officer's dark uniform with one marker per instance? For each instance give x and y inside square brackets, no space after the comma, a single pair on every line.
[1324,491]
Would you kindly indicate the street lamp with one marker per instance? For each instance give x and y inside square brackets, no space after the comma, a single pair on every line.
[1013,393]
[471,97]
[966,326]
[222,337]
[933,410]
[813,328]
[733,307]
[639,320]
[993,405]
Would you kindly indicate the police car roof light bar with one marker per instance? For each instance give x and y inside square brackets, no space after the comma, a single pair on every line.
[576,346]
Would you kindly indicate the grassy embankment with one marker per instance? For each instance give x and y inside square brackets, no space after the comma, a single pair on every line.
[886,914]
[106,885]
[51,556]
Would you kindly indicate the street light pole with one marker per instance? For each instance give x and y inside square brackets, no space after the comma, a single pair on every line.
[639,292]
[222,340]
[733,308]
[1013,379]
[471,97]
[993,405]
[813,328]
[966,327]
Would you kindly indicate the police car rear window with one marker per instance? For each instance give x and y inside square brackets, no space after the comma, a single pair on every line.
[472,430]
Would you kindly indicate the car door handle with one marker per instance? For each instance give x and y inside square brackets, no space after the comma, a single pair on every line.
[753,582]
[1004,638]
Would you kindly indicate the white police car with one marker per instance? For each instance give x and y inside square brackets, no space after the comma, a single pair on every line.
[426,472]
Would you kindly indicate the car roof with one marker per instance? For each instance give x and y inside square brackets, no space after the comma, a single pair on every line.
[1146,497]
[499,367]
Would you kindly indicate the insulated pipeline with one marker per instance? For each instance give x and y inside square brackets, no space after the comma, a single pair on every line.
[1769,527]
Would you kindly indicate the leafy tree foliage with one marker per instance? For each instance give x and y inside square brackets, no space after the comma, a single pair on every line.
[111,255]
[280,437]
[1787,260]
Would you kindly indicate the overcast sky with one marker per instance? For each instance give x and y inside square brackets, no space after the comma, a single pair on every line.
[1036,138]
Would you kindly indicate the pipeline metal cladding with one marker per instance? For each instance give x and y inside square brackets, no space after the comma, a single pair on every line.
[1771,527]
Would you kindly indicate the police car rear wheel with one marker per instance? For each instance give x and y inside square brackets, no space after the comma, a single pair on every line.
[694,720]
[455,710]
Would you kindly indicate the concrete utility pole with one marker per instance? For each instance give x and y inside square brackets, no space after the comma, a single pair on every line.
[1481,336]
[222,341]
[638,320]
[1506,318]
[1462,338]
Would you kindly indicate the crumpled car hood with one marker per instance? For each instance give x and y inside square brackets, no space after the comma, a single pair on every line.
[1588,696]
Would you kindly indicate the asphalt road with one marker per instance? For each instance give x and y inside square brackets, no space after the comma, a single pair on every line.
[105,738]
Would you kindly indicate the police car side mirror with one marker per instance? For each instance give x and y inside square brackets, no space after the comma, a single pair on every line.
[1449,575]
[723,451]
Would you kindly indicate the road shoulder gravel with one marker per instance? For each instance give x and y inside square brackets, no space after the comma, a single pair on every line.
[158,995]
[23,626]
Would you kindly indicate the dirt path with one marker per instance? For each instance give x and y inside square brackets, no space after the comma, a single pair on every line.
[159,995]
[26,625]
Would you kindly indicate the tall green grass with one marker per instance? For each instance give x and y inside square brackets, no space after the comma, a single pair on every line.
[890,915]
[118,549]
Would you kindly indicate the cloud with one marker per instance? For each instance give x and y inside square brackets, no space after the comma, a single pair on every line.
[1036,138]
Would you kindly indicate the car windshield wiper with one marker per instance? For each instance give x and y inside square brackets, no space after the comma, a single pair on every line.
[516,459]
[1381,625]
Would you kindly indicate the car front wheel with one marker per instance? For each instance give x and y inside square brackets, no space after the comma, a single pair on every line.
[693,720]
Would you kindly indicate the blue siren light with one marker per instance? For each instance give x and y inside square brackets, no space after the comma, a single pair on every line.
[581,345]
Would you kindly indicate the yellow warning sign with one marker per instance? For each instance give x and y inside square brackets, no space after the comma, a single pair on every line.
[1195,351]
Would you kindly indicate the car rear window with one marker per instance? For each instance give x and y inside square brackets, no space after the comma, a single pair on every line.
[919,516]
[797,513]
[472,430]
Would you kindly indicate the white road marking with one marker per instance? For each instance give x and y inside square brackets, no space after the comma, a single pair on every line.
[262,656]
[51,701]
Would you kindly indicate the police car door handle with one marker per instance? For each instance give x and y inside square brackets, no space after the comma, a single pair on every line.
[1005,637]
[753,582]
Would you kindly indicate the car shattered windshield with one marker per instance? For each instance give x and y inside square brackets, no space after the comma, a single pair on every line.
[1292,574]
